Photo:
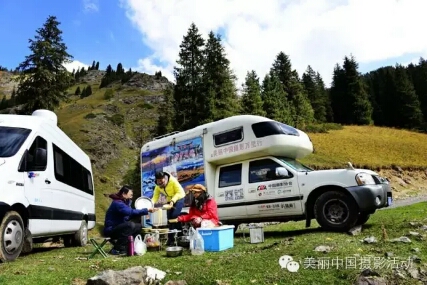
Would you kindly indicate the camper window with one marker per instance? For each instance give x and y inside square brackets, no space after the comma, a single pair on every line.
[269,128]
[230,175]
[70,172]
[11,140]
[228,137]
[36,162]
[263,170]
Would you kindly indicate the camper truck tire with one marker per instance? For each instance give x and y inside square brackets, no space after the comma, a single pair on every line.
[362,219]
[80,237]
[11,236]
[336,211]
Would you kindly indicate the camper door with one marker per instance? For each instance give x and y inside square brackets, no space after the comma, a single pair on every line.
[272,189]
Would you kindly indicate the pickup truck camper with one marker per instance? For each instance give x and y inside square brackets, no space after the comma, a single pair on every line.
[249,164]
[46,185]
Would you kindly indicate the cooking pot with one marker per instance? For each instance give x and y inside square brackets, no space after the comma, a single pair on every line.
[184,241]
[173,251]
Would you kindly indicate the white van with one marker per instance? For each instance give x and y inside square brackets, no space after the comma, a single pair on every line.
[249,165]
[46,185]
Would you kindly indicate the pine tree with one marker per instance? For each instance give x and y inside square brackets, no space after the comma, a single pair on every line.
[3,103]
[275,103]
[188,76]
[409,111]
[360,106]
[251,98]
[324,94]
[296,95]
[93,66]
[338,93]
[44,80]
[97,65]
[315,94]
[165,122]
[78,91]
[219,81]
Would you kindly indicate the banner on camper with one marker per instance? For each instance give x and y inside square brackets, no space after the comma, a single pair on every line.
[184,160]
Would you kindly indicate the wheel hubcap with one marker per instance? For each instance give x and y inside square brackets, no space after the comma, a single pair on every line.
[336,211]
[84,234]
[12,236]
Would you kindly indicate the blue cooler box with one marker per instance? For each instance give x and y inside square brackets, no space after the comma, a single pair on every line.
[217,239]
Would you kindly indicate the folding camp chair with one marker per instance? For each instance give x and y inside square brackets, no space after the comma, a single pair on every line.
[99,247]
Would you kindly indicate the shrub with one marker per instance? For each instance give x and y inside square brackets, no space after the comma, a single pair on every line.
[117,119]
[108,94]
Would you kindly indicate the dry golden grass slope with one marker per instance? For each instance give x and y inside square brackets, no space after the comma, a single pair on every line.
[369,147]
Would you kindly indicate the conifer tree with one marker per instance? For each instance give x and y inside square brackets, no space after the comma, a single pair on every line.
[251,97]
[43,78]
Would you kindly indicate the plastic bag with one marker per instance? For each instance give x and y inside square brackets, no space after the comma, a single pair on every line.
[196,242]
[151,240]
[140,248]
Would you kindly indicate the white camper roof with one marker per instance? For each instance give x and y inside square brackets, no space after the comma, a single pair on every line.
[285,141]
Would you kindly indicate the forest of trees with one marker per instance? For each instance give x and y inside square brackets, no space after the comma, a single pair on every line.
[206,91]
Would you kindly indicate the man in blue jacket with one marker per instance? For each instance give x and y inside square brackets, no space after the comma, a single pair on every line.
[117,219]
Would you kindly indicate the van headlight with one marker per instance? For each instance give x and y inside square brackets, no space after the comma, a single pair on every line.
[364,179]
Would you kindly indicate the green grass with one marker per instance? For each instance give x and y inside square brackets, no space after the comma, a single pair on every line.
[245,263]
[368,147]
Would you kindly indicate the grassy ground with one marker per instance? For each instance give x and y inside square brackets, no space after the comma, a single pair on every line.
[247,263]
[369,147]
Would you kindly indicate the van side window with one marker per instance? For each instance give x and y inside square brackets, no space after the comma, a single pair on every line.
[263,170]
[228,137]
[70,172]
[230,175]
[35,162]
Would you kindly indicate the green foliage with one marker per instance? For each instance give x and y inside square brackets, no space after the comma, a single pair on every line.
[349,95]
[251,97]
[108,94]
[321,128]
[117,119]
[78,91]
[43,79]
[90,116]
[87,91]
[166,113]
[4,103]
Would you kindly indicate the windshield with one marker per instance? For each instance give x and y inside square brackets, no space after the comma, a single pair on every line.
[11,140]
[295,164]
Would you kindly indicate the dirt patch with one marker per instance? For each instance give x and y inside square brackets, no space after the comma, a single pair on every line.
[405,183]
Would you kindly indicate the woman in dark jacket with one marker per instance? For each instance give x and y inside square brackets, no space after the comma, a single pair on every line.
[117,219]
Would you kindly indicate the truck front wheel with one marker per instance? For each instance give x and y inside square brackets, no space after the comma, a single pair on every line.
[336,211]
[11,236]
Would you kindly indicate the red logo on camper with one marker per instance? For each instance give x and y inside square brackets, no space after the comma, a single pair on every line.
[262,187]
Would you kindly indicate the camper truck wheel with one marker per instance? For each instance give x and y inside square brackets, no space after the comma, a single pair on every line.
[363,218]
[80,237]
[335,210]
[11,236]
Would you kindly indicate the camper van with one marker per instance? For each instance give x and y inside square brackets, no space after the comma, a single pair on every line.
[249,164]
[46,185]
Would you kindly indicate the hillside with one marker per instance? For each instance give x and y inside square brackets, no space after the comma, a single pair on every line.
[112,126]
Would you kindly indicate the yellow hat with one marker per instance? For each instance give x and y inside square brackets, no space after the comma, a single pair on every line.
[198,188]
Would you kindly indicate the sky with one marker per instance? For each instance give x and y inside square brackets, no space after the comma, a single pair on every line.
[145,34]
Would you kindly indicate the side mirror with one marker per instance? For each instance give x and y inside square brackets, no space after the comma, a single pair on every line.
[41,157]
[282,172]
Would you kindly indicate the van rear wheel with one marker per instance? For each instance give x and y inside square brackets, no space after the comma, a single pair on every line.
[336,211]
[11,236]
[80,237]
